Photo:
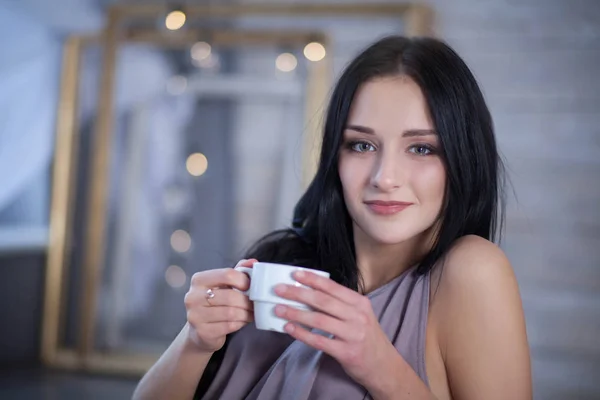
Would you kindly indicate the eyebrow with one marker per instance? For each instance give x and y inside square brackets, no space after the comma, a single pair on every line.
[407,133]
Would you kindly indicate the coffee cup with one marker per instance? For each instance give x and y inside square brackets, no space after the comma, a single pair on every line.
[263,279]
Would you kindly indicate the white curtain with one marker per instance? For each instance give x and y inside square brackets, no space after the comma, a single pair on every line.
[29,70]
[29,89]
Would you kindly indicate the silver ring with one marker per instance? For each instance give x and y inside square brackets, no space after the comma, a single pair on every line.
[209,295]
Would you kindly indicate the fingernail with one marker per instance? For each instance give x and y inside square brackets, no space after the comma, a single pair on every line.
[299,274]
[289,327]
[280,289]
[279,310]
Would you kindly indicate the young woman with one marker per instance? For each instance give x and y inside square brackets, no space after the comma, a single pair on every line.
[401,213]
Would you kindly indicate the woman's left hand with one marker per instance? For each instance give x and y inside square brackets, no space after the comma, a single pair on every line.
[358,344]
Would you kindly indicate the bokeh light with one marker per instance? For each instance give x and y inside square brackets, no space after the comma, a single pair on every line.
[314,51]
[181,241]
[286,62]
[175,276]
[196,164]
[175,20]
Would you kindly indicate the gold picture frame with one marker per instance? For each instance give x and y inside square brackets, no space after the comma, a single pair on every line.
[417,19]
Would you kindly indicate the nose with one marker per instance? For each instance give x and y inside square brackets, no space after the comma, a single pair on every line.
[386,175]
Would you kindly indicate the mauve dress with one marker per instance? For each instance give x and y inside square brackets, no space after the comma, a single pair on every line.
[264,365]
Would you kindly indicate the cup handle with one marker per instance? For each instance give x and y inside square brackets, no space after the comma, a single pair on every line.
[247,271]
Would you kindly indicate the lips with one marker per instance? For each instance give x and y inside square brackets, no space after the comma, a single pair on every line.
[387,207]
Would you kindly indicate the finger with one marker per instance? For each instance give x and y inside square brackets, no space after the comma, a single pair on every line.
[222,277]
[246,263]
[219,314]
[316,299]
[334,347]
[316,320]
[198,297]
[329,286]
[220,329]
[226,297]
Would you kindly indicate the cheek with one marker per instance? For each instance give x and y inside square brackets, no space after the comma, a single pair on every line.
[353,174]
[430,182]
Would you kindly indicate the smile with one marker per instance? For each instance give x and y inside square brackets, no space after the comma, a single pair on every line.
[387,207]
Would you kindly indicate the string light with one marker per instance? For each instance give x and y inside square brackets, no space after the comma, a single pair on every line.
[286,62]
[181,241]
[196,164]
[314,51]
[175,276]
[211,63]
[175,20]
[201,51]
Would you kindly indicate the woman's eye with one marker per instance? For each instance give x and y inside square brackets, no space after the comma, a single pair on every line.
[421,150]
[362,147]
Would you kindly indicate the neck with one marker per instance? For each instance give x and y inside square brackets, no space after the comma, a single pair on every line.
[380,263]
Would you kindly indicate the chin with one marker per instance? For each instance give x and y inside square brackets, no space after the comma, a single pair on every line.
[391,239]
[388,236]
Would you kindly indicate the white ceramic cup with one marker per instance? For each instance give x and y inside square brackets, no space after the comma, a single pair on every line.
[263,279]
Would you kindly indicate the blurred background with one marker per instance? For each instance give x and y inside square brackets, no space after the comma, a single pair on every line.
[122,176]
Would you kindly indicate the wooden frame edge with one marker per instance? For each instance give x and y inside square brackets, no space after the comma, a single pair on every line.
[61,197]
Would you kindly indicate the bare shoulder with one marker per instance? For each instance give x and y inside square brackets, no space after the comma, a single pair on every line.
[474,263]
[480,322]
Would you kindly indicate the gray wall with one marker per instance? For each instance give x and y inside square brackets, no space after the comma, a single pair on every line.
[538,62]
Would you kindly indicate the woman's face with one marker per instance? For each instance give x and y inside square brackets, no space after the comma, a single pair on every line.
[392,174]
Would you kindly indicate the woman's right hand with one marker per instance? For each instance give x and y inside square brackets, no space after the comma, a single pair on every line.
[210,320]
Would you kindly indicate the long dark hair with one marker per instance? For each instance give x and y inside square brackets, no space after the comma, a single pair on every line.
[321,233]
